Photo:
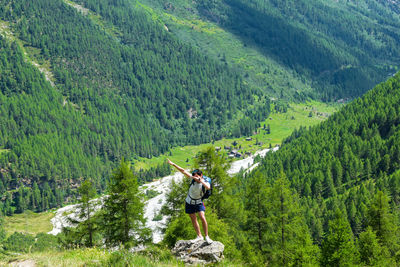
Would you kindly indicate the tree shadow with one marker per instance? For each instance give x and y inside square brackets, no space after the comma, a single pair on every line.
[279,39]
[309,53]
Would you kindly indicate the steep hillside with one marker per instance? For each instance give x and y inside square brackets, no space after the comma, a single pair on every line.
[345,48]
[118,85]
[292,49]
[343,163]
[359,143]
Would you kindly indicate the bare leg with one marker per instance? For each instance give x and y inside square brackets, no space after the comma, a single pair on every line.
[204,222]
[195,223]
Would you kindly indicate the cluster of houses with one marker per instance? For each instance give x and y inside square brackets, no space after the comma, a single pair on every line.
[234,153]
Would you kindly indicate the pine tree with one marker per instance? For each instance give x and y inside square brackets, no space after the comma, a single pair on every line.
[175,204]
[371,252]
[384,223]
[288,239]
[88,226]
[256,212]
[338,246]
[124,223]
[36,199]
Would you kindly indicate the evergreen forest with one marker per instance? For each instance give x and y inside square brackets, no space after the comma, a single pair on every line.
[343,48]
[89,86]
[346,171]
[119,86]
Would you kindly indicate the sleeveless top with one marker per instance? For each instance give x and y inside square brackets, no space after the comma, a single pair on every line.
[195,193]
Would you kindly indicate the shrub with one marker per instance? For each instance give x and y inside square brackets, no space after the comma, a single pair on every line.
[45,242]
[19,242]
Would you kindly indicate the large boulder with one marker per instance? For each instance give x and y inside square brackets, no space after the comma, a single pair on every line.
[199,252]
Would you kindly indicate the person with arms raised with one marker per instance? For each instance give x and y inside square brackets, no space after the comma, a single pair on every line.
[194,200]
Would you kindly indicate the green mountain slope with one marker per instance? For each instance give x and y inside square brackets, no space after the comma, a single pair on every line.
[343,163]
[327,49]
[358,143]
[344,47]
[120,86]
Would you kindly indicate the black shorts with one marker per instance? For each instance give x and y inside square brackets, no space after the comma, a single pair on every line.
[190,209]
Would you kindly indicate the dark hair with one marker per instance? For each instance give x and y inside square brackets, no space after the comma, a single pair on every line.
[197,171]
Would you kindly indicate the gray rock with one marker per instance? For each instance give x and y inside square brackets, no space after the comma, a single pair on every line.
[199,252]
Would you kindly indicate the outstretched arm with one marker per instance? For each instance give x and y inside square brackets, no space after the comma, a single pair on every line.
[182,170]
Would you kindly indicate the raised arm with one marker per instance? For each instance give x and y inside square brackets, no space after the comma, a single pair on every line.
[182,170]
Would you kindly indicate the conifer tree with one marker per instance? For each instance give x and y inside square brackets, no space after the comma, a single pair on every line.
[256,212]
[371,252]
[215,166]
[384,223]
[338,246]
[288,237]
[86,211]
[35,197]
[175,204]
[124,222]
[85,226]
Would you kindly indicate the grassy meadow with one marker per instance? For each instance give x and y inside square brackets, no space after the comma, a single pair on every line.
[29,222]
[281,126]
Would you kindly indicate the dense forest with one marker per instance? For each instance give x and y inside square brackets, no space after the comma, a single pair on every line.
[343,47]
[121,86]
[349,163]
[330,196]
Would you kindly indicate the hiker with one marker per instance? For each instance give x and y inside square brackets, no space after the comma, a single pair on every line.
[194,202]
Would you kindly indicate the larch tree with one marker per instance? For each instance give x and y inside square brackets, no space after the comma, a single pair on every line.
[288,237]
[123,215]
[338,247]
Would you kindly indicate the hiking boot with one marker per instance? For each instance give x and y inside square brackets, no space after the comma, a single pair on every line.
[208,240]
[197,239]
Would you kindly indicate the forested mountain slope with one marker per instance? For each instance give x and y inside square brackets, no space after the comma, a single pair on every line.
[345,47]
[342,164]
[339,49]
[120,86]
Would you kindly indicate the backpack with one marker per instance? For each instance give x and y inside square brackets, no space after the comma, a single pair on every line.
[206,193]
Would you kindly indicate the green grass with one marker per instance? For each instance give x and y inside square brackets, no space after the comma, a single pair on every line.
[79,257]
[29,222]
[281,125]
[97,257]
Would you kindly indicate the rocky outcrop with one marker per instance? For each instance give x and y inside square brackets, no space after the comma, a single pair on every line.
[199,252]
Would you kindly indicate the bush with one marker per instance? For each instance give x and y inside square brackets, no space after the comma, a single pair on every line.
[45,242]
[157,253]
[158,217]
[19,242]
[178,229]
